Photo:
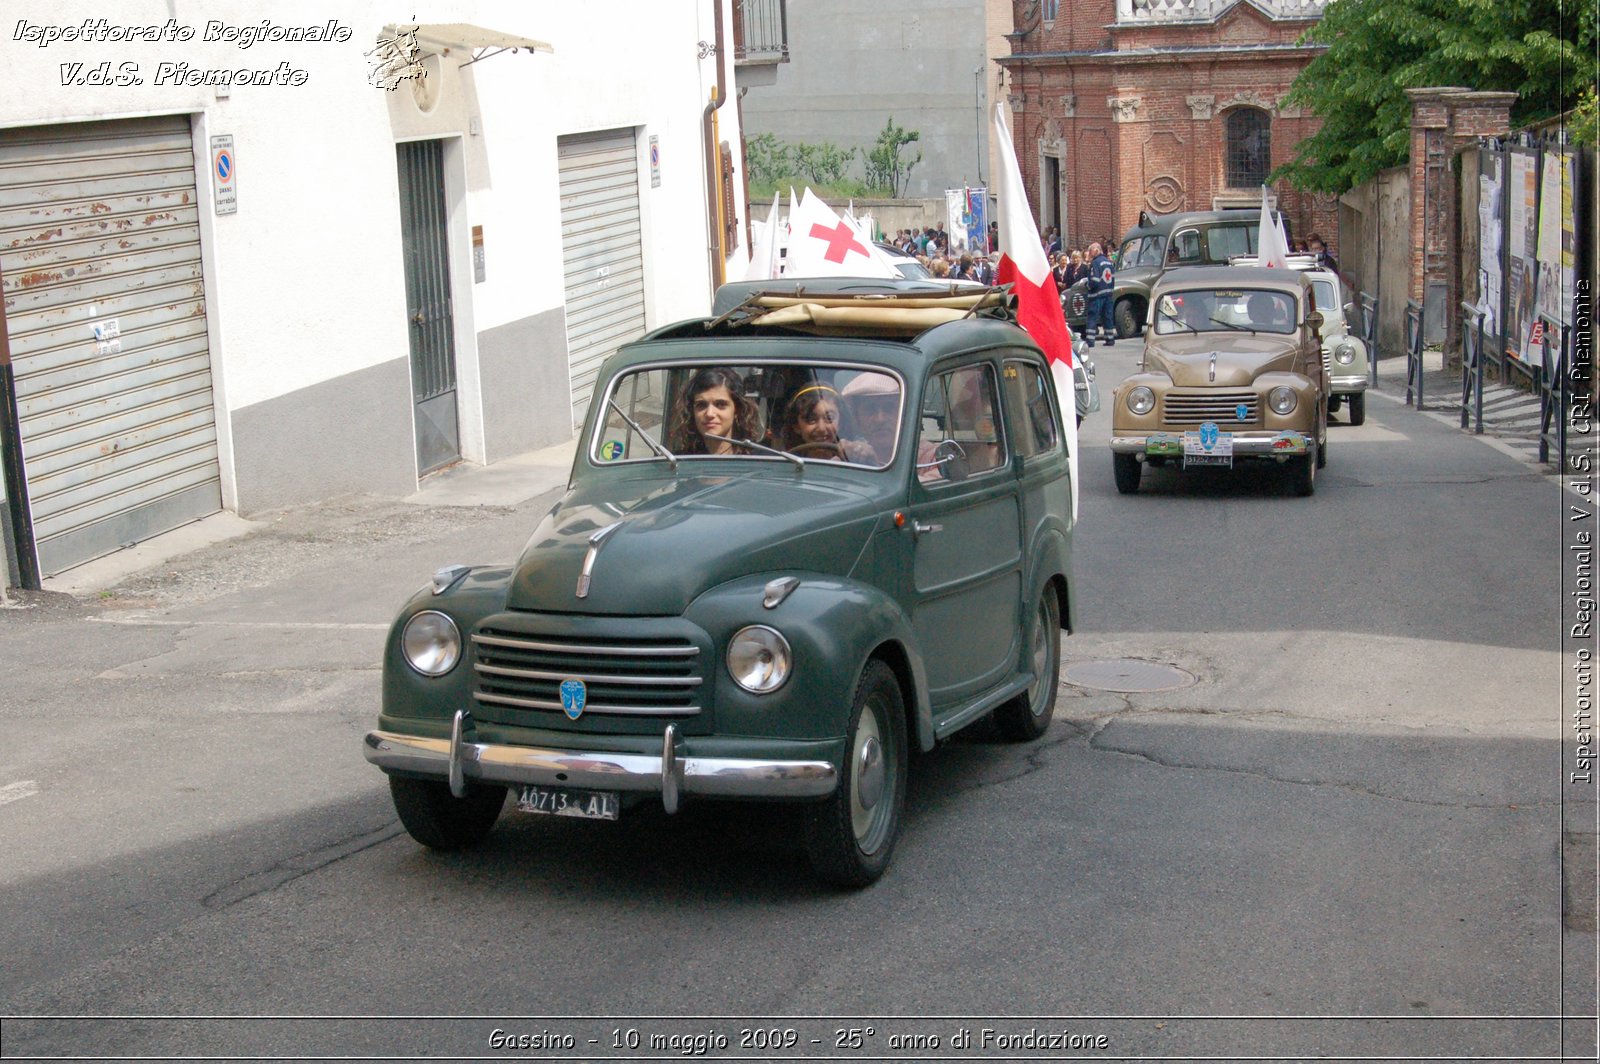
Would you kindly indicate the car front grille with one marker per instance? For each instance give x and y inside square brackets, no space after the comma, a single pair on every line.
[623,677]
[1184,408]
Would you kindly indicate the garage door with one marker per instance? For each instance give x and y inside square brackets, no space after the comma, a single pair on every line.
[601,254]
[105,312]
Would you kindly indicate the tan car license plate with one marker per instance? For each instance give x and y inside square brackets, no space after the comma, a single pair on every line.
[558,801]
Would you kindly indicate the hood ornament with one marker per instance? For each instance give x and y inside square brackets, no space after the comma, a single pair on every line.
[596,540]
[1213,367]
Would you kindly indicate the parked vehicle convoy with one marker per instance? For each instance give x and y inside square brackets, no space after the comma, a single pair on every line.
[825,527]
[1232,372]
[1159,243]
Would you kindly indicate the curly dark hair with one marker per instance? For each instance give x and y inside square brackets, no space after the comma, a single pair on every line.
[684,438]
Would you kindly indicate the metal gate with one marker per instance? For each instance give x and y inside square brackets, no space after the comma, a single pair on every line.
[106,321]
[601,255]
[425,243]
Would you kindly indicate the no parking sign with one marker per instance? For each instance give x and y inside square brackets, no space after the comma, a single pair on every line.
[224,175]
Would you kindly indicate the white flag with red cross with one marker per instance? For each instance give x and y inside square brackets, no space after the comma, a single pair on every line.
[821,244]
[1023,266]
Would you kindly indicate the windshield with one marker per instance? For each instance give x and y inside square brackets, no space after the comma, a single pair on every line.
[1141,251]
[1224,310]
[760,411]
[912,270]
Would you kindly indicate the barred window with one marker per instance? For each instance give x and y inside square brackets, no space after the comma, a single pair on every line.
[1249,148]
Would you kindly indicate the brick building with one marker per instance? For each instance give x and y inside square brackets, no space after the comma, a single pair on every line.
[1121,106]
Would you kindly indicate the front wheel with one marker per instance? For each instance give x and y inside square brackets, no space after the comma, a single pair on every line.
[1027,716]
[1358,409]
[1127,319]
[441,821]
[1127,471]
[1303,474]
[850,835]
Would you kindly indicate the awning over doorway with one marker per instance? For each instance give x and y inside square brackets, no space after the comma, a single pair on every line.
[449,38]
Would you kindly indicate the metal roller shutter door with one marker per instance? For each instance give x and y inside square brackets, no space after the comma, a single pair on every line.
[602,259]
[99,230]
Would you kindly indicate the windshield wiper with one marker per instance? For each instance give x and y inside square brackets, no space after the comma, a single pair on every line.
[796,459]
[672,459]
[1174,319]
[1231,325]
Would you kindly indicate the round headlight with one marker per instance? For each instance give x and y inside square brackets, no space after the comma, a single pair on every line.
[431,643]
[1141,400]
[1345,353]
[758,659]
[1282,400]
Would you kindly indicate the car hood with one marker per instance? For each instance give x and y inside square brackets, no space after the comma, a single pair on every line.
[676,538]
[1241,358]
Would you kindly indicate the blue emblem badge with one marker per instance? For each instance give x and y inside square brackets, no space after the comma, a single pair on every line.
[1208,435]
[573,696]
[1242,412]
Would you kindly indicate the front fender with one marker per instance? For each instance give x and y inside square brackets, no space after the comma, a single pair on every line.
[833,626]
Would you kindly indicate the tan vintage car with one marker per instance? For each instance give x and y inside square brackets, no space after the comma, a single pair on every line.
[1232,372]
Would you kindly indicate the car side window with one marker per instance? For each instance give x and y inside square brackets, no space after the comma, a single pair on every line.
[1184,247]
[1225,241]
[960,435]
[1028,398]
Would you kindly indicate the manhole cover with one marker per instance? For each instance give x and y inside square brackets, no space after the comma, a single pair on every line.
[1128,674]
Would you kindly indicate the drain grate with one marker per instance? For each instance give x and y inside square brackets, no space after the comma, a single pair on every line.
[1128,675]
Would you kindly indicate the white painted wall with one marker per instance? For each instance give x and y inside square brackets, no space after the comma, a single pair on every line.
[305,281]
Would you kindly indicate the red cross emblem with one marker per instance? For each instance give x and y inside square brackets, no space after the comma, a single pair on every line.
[841,241]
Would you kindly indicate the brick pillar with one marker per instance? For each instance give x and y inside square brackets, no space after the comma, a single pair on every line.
[1443,121]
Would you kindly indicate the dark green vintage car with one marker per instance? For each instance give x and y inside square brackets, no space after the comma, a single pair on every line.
[799,538]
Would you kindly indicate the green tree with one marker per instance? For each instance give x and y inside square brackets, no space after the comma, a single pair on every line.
[822,164]
[767,159]
[887,168]
[1543,50]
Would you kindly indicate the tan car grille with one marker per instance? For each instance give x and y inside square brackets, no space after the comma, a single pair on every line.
[1180,408]
[637,678]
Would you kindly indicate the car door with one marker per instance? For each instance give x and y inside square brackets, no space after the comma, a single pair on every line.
[966,522]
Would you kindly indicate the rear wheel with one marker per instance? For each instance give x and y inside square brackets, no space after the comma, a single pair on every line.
[441,821]
[1127,471]
[1027,716]
[1358,409]
[850,835]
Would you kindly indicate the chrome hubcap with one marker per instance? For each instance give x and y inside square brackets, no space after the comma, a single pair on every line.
[1041,660]
[869,774]
[869,783]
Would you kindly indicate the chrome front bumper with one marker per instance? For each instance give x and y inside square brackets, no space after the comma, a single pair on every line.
[1282,444]
[1348,385]
[670,774]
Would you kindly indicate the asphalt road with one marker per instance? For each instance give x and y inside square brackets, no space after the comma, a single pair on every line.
[1343,835]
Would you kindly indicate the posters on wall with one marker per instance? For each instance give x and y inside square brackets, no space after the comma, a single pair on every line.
[1557,251]
[1522,234]
[1490,185]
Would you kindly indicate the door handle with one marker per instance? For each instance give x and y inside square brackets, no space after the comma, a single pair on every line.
[921,529]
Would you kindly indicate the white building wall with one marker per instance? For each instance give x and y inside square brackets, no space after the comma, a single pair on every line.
[305,282]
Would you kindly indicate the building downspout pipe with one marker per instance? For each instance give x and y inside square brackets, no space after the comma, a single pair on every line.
[708,134]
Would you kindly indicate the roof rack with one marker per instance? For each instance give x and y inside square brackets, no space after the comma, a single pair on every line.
[1292,262]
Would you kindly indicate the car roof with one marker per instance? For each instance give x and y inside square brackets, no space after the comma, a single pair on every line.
[1163,224]
[906,322]
[1232,277]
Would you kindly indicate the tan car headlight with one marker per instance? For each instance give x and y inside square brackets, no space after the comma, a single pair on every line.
[759,659]
[1345,353]
[1141,400]
[431,643]
[1282,400]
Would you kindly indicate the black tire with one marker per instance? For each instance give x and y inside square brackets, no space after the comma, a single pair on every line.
[1334,402]
[1303,474]
[1322,446]
[441,821]
[850,835]
[1127,470]
[1358,409]
[1027,716]
[1126,317]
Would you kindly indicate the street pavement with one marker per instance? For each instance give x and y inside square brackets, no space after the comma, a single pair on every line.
[1348,804]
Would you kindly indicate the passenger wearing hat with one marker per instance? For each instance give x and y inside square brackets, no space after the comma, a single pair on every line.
[873,400]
